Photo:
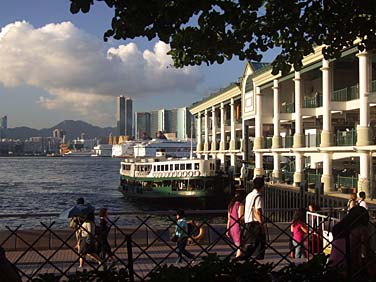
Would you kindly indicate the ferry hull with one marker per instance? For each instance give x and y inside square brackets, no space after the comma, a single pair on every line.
[215,197]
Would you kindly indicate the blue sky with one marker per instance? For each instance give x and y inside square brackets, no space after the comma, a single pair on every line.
[55,66]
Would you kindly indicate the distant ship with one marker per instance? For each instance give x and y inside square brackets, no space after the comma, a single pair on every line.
[102,150]
[78,154]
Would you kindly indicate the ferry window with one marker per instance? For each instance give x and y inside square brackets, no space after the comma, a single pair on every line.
[189,166]
[176,167]
[197,166]
[182,166]
[166,167]
[158,168]
[171,167]
[162,167]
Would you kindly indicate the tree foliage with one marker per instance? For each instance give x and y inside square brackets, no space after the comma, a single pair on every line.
[209,31]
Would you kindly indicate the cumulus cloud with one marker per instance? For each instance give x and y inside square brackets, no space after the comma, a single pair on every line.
[77,69]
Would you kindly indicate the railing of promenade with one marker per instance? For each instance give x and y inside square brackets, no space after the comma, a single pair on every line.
[141,242]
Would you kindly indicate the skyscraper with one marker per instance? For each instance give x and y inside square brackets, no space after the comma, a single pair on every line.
[3,126]
[184,123]
[142,125]
[120,115]
[124,116]
[128,117]
[176,121]
[154,128]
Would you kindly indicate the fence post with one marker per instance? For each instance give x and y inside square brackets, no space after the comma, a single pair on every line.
[130,258]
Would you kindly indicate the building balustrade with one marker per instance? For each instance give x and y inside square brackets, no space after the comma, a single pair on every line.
[268,142]
[346,182]
[346,94]
[288,107]
[312,140]
[312,102]
[313,178]
[346,138]
[287,141]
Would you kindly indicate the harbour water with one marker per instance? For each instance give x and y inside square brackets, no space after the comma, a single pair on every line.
[47,184]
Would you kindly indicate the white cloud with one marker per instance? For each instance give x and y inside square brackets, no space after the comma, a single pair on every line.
[78,71]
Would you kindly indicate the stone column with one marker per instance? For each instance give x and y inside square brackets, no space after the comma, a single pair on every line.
[327,177]
[276,167]
[326,134]
[298,174]
[214,130]
[363,130]
[259,166]
[232,138]
[206,139]
[363,180]
[298,136]
[199,136]
[365,75]
[222,143]
[277,139]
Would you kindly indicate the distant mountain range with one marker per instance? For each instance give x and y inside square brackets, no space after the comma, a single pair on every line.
[72,128]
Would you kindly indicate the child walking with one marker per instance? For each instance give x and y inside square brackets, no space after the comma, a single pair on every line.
[298,229]
[181,231]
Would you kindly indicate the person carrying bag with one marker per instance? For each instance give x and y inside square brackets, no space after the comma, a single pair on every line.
[253,234]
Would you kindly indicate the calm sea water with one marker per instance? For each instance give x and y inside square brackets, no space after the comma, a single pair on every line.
[43,184]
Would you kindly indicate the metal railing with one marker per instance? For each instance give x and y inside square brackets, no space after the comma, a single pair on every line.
[346,94]
[288,108]
[346,138]
[347,181]
[145,246]
[312,102]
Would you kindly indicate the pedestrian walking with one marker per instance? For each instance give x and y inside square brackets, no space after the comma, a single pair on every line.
[352,202]
[181,233]
[86,245]
[235,219]
[102,230]
[254,232]
[298,230]
[361,201]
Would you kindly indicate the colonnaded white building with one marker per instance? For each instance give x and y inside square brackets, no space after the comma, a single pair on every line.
[321,119]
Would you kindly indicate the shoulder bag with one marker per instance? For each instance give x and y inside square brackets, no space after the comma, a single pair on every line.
[252,230]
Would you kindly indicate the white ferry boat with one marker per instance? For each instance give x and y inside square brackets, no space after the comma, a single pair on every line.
[169,148]
[172,183]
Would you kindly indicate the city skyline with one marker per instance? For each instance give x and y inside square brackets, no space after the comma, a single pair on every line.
[58,65]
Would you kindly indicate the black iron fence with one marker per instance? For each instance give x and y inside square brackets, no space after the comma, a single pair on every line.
[144,247]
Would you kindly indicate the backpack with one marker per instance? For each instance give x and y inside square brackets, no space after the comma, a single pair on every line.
[193,229]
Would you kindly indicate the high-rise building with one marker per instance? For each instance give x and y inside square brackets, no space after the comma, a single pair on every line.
[176,122]
[3,127]
[153,123]
[124,116]
[142,125]
[183,123]
[120,115]
[128,117]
